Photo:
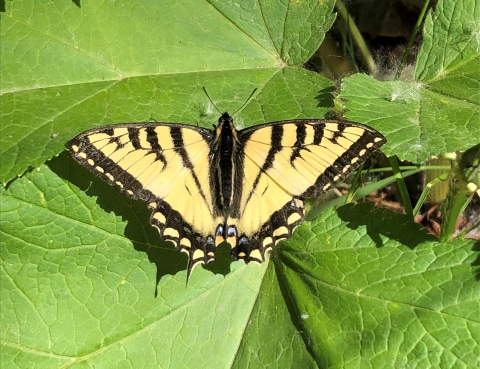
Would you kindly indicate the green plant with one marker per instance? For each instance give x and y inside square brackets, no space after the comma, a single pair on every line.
[87,282]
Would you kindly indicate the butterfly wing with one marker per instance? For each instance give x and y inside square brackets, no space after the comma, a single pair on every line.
[278,166]
[167,166]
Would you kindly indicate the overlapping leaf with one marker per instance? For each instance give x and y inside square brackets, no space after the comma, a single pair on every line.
[439,111]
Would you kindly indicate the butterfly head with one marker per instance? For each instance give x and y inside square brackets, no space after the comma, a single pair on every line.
[225,119]
[225,126]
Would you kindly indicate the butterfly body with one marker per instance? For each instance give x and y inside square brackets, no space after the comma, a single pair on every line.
[246,187]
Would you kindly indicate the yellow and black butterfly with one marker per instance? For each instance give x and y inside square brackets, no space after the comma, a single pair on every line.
[246,187]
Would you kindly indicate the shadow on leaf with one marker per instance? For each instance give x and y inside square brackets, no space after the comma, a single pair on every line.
[135,213]
[476,263]
[383,222]
[325,97]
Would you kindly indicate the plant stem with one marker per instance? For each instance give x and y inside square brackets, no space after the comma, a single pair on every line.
[401,186]
[412,39]
[357,37]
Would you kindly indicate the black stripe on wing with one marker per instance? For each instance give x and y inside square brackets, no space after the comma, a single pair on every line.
[301,136]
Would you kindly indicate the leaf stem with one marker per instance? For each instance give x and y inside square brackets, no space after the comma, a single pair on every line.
[401,186]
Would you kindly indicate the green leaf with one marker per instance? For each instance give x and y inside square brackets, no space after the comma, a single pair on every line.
[371,293]
[439,111]
[271,337]
[86,281]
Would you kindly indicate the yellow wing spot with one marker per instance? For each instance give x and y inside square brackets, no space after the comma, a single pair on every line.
[256,254]
[267,241]
[185,251]
[279,239]
[91,162]
[241,255]
[130,192]
[377,139]
[298,203]
[82,155]
[100,169]
[345,168]
[369,145]
[292,218]
[232,241]
[160,217]
[354,160]
[337,177]
[198,254]
[280,231]
[211,254]
[99,136]
[109,176]
[345,143]
[171,232]
[75,148]
[326,186]
[185,242]
[362,152]
[152,205]
[219,240]
[119,184]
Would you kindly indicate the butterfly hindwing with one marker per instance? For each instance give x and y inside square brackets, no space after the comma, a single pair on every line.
[282,163]
[165,165]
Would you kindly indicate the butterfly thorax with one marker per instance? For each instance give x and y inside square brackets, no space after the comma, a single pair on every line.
[222,154]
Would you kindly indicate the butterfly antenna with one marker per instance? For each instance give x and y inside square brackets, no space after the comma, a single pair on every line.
[245,103]
[206,93]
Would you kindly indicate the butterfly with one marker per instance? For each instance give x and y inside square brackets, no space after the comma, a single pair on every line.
[246,187]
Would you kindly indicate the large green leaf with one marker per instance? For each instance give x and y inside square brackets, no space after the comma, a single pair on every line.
[87,282]
[373,290]
[440,110]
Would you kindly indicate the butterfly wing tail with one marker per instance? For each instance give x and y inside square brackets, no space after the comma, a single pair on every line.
[199,248]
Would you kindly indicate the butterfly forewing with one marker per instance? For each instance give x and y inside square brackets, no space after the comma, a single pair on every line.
[167,166]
